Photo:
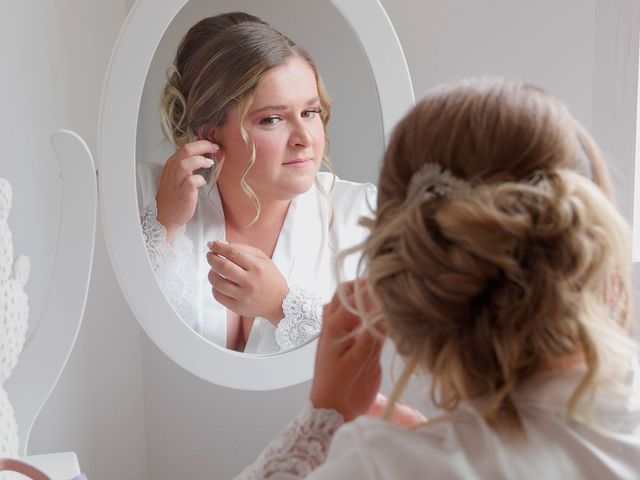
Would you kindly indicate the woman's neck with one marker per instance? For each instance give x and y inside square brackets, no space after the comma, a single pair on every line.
[239,212]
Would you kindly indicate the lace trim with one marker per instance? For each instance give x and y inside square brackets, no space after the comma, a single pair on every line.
[172,264]
[301,448]
[302,318]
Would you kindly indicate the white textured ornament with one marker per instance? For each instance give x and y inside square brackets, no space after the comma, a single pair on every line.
[14,311]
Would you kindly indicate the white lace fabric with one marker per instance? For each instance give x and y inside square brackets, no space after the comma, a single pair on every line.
[298,450]
[302,318]
[172,263]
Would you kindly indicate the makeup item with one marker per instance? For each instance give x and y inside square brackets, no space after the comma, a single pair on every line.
[205,172]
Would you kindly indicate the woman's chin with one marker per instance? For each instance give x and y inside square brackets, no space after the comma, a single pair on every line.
[288,187]
[298,184]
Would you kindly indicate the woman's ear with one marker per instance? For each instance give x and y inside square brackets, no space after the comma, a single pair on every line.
[211,135]
[207,133]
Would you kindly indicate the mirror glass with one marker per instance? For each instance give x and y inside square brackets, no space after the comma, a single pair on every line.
[360,60]
[317,225]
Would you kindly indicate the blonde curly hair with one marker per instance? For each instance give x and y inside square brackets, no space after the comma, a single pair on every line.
[219,63]
[527,266]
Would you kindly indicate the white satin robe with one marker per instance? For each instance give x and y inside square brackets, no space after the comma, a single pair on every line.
[305,252]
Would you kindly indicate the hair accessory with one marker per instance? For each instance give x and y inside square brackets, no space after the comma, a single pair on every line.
[433,181]
[583,163]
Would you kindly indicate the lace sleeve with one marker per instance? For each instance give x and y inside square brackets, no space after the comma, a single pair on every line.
[301,448]
[302,318]
[171,264]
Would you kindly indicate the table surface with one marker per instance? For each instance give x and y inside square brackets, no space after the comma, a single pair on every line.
[59,466]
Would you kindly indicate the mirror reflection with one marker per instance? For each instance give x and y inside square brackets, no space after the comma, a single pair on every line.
[244,216]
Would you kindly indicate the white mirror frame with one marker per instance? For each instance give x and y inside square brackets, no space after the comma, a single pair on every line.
[121,96]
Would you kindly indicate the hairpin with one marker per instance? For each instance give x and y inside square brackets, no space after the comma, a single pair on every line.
[433,181]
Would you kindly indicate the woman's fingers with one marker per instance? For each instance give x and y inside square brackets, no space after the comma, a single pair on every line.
[177,194]
[366,348]
[378,406]
[226,268]
[233,252]
[259,288]
[195,181]
[330,308]
[229,302]
[406,416]
[199,147]
[403,415]
[186,176]
[223,286]
[347,372]
[191,157]
[190,164]
[338,329]
[338,321]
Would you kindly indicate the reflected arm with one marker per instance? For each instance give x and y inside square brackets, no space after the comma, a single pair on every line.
[171,263]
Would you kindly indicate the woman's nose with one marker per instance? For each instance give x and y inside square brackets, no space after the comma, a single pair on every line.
[300,135]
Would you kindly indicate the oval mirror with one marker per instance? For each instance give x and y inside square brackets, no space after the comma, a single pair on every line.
[363,67]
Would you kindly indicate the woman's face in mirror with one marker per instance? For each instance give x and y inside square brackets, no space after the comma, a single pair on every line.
[285,126]
[268,193]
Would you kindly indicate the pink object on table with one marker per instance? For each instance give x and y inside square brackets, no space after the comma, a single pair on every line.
[18,466]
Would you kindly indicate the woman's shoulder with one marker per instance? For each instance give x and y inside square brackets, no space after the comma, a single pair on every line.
[148,177]
[347,195]
[391,449]
[455,445]
[329,181]
[452,428]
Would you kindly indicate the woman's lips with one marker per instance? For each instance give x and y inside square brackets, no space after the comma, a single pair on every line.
[297,161]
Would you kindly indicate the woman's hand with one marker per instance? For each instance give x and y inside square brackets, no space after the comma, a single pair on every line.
[246,281]
[347,373]
[403,415]
[178,190]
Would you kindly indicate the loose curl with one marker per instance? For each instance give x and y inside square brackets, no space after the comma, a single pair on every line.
[218,64]
[486,288]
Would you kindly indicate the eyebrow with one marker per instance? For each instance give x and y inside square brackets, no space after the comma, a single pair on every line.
[282,107]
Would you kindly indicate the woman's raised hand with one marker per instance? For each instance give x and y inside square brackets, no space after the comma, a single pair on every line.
[246,281]
[178,190]
[403,415]
[347,373]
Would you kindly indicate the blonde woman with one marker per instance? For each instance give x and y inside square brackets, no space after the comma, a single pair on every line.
[246,257]
[499,267]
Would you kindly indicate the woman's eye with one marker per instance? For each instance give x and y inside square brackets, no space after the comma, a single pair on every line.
[311,112]
[270,120]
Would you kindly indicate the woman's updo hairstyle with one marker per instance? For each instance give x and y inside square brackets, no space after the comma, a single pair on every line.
[526,265]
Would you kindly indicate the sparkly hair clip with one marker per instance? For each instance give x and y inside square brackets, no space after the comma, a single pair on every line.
[433,181]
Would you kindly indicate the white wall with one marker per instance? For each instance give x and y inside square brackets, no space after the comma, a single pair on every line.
[54,56]
[545,42]
[193,429]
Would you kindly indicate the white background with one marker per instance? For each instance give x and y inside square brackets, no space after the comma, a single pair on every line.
[128,411]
